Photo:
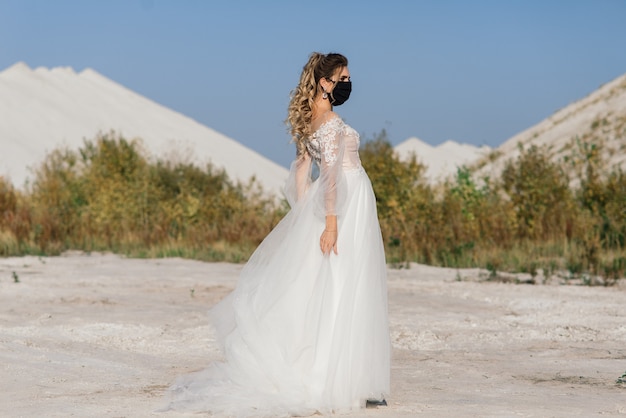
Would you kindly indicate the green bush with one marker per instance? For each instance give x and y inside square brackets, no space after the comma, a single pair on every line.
[529,218]
[111,195]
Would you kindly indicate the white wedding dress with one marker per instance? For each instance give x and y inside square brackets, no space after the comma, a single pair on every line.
[305,332]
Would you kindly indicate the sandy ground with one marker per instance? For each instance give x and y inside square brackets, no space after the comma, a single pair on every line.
[103,336]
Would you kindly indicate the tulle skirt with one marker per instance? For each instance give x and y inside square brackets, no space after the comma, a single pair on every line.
[302,332]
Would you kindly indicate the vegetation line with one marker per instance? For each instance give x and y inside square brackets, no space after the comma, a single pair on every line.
[110,196]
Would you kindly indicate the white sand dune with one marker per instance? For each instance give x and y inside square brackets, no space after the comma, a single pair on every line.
[443,160]
[598,117]
[43,109]
[101,335]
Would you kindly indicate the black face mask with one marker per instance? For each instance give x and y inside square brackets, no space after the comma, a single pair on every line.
[341,93]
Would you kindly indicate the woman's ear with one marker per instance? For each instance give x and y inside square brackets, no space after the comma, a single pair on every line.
[326,85]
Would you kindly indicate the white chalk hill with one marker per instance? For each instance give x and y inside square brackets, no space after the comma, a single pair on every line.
[441,161]
[599,118]
[43,109]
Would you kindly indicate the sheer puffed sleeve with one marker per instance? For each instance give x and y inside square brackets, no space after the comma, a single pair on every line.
[328,190]
[332,190]
[299,179]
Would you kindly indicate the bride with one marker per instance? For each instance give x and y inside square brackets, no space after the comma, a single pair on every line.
[306,330]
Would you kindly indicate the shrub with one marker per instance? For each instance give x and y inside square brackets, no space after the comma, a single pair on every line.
[111,195]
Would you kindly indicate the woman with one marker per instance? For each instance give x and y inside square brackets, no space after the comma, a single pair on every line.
[306,328]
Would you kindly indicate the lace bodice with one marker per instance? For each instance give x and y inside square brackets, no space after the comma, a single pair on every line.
[326,140]
[334,147]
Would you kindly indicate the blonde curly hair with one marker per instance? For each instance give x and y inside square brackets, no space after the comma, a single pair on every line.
[300,111]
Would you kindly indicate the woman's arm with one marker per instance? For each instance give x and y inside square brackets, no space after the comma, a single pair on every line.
[303,174]
[299,179]
[330,176]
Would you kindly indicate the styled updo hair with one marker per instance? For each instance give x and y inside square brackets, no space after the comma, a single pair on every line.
[300,109]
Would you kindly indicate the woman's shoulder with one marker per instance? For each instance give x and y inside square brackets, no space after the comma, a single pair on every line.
[328,119]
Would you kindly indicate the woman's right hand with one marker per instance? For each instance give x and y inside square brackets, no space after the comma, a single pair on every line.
[328,241]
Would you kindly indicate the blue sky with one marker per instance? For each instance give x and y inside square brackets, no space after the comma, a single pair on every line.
[471,71]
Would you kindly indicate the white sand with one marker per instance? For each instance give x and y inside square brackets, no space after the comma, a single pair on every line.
[100,335]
